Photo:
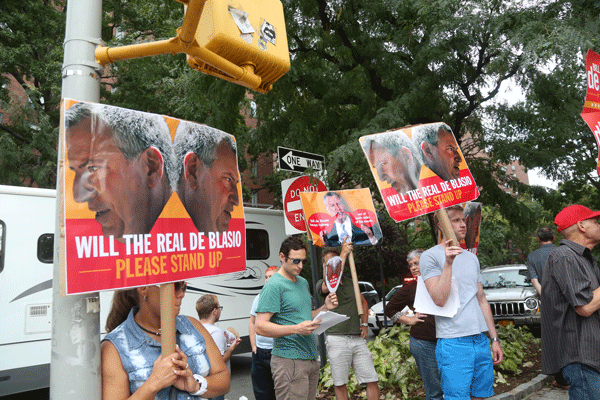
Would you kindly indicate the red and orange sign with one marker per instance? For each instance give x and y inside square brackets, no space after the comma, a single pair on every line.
[335,215]
[419,169]
[591,108]
[147,199]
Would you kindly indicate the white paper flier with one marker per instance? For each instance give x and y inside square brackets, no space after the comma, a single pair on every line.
[425,305]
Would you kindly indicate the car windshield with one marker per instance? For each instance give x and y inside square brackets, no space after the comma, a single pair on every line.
[505,279]
[391,293]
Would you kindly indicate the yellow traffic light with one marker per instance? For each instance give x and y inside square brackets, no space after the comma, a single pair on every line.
[242,41]
[249,33]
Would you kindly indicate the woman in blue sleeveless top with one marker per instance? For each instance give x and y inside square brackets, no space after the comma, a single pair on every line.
[132,366]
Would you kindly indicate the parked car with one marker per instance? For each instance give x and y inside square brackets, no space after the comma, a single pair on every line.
[367,290]
[376,320]
[511,295]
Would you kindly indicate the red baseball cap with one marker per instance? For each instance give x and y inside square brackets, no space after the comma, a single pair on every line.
[572,214]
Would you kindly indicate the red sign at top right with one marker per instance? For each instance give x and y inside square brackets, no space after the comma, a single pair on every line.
[419,169]
[591,107]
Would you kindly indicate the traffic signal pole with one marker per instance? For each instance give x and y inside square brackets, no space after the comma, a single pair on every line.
[75,356]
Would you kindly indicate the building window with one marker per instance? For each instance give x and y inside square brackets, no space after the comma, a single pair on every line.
[514,168]
[254,167]
[254,198]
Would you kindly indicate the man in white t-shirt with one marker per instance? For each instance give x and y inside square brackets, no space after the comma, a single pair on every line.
[462,350]
[209,312]
[262,378]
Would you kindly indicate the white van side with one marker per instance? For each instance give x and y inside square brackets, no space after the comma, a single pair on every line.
[26,269]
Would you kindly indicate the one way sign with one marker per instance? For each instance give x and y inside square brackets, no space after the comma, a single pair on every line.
[299,161]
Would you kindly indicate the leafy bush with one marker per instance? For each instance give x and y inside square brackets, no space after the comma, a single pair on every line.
[397,369]
[515,342]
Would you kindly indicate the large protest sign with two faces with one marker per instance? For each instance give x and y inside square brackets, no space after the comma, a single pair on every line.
[419,169]
[148,199]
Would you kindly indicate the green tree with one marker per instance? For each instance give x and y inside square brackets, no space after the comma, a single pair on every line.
[31,37]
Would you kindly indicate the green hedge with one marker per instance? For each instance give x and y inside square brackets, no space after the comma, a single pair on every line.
[397,369]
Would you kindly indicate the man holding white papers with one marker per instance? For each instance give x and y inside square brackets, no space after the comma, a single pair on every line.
[346,342]
[284,313]
[462,351]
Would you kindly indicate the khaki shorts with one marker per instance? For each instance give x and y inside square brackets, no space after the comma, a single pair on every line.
[344,351]
[295,379]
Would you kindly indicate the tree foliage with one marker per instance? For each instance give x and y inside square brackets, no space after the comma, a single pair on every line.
[358,67]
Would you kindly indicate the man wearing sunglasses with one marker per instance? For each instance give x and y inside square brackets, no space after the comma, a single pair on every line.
[284,313]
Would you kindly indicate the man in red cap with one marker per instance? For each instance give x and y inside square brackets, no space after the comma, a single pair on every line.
[571,300]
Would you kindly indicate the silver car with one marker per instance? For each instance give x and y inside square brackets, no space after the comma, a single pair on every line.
[512,297]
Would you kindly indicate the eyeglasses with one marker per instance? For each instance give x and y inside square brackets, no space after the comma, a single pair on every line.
[297,261]
[219,307]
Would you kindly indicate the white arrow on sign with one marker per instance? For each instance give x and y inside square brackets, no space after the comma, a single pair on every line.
[296,161]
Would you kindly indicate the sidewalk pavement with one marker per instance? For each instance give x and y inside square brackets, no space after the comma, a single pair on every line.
[537,389]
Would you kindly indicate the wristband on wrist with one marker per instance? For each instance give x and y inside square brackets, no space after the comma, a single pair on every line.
[203,385]
[495,339]
[364,324]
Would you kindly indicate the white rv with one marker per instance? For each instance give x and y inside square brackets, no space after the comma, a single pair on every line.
[26,269]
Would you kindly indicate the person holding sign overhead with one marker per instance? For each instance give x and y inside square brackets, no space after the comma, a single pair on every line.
[462,350]
[346,341]
[343,226]
[132,364]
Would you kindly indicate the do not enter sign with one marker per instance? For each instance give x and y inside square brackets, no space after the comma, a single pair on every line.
[292,206]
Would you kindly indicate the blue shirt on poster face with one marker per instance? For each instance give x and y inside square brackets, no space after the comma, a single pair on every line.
[469,319]
[290,302]
[138,351]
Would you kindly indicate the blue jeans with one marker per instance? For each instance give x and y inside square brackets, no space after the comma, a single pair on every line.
[583,381]
[262,379]
[424,353]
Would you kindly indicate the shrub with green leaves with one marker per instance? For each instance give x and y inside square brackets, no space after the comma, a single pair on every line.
[515,342]
[397,369]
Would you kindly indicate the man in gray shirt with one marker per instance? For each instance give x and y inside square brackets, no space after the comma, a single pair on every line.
[537,258]
[462,351]
[571,300]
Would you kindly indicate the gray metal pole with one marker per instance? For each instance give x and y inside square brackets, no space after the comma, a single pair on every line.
[75,358]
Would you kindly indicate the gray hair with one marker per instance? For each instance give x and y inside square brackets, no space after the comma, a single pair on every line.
[203,140]
[471,207]
[393,142]
[330,194]
[414,253]
[428,133]
[132,131]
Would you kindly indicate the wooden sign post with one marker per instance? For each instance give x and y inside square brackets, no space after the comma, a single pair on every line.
[167,318]
[355,284]
[447,231]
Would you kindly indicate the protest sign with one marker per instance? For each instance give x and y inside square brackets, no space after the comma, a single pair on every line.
[418,169]
[591,107]
[147,199]
[332,216]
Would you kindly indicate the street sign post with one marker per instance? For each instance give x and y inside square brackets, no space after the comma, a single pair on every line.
[292,206]
[299,161]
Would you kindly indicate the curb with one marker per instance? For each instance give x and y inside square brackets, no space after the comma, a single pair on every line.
[526,389]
